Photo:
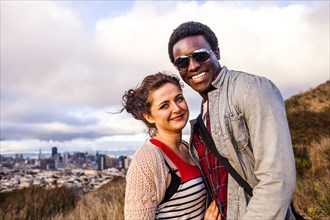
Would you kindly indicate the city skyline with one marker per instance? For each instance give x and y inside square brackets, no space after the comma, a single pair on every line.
[48,152]
[80,170]
[66,64]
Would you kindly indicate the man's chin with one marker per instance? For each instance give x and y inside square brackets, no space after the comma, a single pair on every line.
[202,89]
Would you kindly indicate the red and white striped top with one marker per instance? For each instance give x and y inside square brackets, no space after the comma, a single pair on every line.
[189,199]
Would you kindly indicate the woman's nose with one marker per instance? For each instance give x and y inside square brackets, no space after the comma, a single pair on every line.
[176,108]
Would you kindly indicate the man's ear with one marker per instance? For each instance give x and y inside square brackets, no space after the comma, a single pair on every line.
[217,53]
[149,118]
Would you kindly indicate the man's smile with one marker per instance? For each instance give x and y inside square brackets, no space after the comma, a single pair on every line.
[198,76]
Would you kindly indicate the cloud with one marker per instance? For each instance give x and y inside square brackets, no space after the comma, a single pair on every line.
[59,76]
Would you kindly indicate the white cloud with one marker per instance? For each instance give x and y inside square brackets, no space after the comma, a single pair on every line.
[57,71]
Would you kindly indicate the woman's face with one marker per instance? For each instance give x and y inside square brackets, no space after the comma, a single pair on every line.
[169,109]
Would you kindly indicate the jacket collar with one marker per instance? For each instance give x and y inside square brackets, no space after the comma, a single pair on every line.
[217,83]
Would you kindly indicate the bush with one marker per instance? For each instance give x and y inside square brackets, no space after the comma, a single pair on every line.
[36,202]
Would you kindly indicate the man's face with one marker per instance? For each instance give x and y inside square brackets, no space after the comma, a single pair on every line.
[198,75]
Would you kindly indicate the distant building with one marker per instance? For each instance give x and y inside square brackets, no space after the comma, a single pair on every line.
[66,158]
[60,165]
[101,162]
[110,162]
[39,156]
[47,164]
[54,152]
[19,158]
[79,158]
[127,162]
[124,162]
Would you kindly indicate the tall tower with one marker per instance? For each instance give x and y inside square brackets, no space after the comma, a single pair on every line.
[101,162]
[39,157]
[66,158]
[54,151]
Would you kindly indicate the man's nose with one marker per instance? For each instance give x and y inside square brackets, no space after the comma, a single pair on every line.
[193,65]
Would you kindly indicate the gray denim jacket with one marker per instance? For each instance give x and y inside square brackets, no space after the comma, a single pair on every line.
[249,127]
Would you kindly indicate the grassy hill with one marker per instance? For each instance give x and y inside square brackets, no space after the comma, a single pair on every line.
[309,120]
[36,203]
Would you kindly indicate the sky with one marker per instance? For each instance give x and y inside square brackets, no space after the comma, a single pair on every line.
[65,65]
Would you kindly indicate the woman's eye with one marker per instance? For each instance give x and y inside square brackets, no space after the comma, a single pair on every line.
[180,99]
[164,106]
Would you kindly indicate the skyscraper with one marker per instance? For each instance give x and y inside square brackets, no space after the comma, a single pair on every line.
[54,151]
[101,162]
[39,157]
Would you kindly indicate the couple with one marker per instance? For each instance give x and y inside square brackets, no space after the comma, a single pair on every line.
[245,114]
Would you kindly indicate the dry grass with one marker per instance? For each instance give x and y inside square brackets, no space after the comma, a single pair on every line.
[309,116]
[37,203]
[62,203]
[312,196]
[313,100]
[309,120]
[104,203]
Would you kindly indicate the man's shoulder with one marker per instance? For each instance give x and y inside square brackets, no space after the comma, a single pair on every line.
[242,74]
[241,80]
[242,77]
[232,75]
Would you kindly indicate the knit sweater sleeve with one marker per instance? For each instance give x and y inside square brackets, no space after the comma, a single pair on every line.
[145,183]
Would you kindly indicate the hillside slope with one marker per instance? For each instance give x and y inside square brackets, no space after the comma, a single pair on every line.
[309,121]
[309,115]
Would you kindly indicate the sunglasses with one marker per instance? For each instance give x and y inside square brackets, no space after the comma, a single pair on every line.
[200,56]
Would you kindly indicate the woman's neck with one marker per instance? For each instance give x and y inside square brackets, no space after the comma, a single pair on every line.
[173,140]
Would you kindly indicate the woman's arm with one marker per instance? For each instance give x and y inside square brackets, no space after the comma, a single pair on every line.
[145,184]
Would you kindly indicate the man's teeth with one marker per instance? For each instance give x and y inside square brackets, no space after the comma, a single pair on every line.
[198,76]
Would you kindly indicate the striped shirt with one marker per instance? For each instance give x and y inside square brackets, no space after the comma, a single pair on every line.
[189,198]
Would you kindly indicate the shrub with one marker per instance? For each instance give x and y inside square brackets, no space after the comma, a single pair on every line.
[36,202]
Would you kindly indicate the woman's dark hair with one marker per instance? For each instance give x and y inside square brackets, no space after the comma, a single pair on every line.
[136,101]
[191,28]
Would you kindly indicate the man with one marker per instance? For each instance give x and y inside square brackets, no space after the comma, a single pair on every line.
[246,117]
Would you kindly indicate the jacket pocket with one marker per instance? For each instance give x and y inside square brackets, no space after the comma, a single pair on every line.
[239,132]
[241,141]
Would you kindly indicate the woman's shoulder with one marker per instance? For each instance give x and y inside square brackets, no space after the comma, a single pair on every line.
[148,154]
[148,148]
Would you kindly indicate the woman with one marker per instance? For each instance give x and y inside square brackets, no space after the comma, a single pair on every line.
[162,180]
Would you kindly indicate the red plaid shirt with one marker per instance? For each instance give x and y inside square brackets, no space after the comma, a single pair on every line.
[215,173]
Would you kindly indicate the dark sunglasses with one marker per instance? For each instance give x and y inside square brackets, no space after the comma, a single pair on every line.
[200,56]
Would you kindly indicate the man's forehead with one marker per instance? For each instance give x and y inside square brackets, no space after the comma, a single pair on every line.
[189,44]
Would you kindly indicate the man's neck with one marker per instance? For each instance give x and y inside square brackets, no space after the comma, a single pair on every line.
[211,88]
[217,74]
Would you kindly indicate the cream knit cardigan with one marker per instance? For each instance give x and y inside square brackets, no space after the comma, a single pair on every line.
[145,182]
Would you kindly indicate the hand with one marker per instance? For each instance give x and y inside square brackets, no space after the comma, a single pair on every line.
[212,212]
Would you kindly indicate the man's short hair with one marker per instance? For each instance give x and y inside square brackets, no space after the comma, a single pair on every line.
[191,28]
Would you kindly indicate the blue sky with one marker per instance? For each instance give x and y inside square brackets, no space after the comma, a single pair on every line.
[92,11]
[66,64]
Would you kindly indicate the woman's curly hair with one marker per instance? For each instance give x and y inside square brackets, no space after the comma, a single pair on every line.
[136,101]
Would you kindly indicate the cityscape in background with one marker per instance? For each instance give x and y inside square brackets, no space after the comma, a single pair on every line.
[84,170]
